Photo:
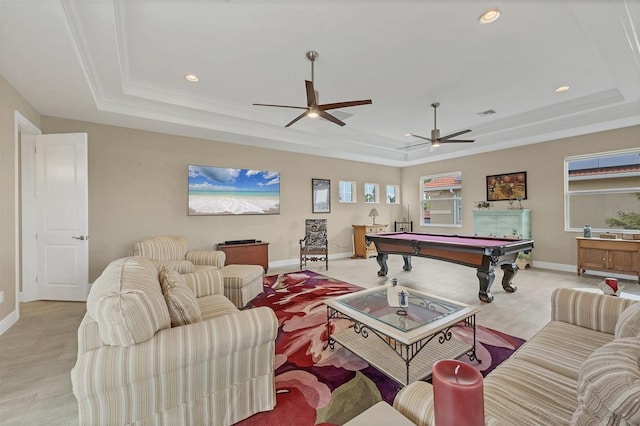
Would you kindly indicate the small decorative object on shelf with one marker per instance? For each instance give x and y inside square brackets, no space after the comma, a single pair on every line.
[587,231]
[608,236]
[519,202]
[483,204]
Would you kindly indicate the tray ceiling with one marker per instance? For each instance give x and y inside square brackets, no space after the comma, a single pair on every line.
[123,63]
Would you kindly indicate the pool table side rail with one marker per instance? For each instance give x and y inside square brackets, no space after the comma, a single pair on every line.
[386,243]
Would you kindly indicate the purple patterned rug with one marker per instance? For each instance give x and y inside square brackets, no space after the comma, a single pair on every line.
[324,387]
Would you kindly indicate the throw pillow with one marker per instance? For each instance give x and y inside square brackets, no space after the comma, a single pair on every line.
[182,304]
[609,385]
[628,324]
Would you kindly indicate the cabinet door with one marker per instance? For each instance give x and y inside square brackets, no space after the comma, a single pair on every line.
[623,260]
[593,258]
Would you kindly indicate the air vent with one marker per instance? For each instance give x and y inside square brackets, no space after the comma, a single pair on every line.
[487,112]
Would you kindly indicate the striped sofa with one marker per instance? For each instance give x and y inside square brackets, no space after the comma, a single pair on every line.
[582,368]
[159,347]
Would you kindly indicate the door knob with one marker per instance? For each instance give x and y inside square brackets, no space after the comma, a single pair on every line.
[81,238]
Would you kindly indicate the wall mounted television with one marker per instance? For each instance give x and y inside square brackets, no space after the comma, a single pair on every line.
[217,191]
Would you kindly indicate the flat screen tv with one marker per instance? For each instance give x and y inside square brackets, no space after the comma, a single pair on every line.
[227,191]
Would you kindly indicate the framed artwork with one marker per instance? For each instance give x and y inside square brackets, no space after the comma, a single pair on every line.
[225,191]
[321,195]
[509,186]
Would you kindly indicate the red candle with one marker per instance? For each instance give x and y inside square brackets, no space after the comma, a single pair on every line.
[458,397]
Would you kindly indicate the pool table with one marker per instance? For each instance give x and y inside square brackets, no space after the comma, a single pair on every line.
[482,253]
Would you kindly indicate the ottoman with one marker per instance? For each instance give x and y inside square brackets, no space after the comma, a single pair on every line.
[242,283]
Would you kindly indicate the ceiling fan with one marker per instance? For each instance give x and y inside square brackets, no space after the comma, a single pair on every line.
[435,138]
[313,109]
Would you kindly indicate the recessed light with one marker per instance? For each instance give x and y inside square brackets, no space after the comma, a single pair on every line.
[490,16]
[561,89]
[407,134]
[192,78]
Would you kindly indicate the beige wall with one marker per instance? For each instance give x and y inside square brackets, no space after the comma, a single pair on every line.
[10,101]
[138,189]
[544,164]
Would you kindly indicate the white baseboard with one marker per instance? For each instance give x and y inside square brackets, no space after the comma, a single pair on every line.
[8,321]
[573,268]
[554,266]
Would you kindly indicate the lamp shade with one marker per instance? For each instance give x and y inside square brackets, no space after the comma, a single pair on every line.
[373,214]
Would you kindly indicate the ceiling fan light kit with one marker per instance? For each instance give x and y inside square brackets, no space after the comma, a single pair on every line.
[313,109]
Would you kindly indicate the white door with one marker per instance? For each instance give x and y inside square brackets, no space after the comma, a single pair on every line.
[62,245]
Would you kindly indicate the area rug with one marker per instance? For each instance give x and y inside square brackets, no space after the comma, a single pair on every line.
[325,387]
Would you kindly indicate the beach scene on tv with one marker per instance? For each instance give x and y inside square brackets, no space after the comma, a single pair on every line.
[226,191]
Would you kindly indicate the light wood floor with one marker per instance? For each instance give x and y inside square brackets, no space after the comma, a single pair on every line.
[38,352]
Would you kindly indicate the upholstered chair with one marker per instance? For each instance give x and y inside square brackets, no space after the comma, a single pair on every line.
[314,246]
[171,251]
[241,282]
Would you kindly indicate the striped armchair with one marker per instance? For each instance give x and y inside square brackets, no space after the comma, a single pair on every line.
[171,251]
[134,367]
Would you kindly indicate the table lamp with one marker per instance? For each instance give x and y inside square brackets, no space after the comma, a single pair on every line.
[373,214]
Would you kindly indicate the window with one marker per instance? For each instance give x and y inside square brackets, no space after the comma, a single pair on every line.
[371,191]
[442,199]
[393,194]
[347,192]
[603,190]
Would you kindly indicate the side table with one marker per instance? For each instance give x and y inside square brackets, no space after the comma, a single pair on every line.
[360,247]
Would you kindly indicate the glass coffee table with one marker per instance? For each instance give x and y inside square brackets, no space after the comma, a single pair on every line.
[403,343]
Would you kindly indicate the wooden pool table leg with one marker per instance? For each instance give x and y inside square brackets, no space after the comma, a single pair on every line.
[486,278]
[382,261]
[510,270]
[407,263]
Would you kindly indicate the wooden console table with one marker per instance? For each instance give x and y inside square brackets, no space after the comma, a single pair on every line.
[246,254]
[601,254]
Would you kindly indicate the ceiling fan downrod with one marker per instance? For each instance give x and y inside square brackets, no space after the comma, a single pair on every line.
[312,55]
[435,133]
